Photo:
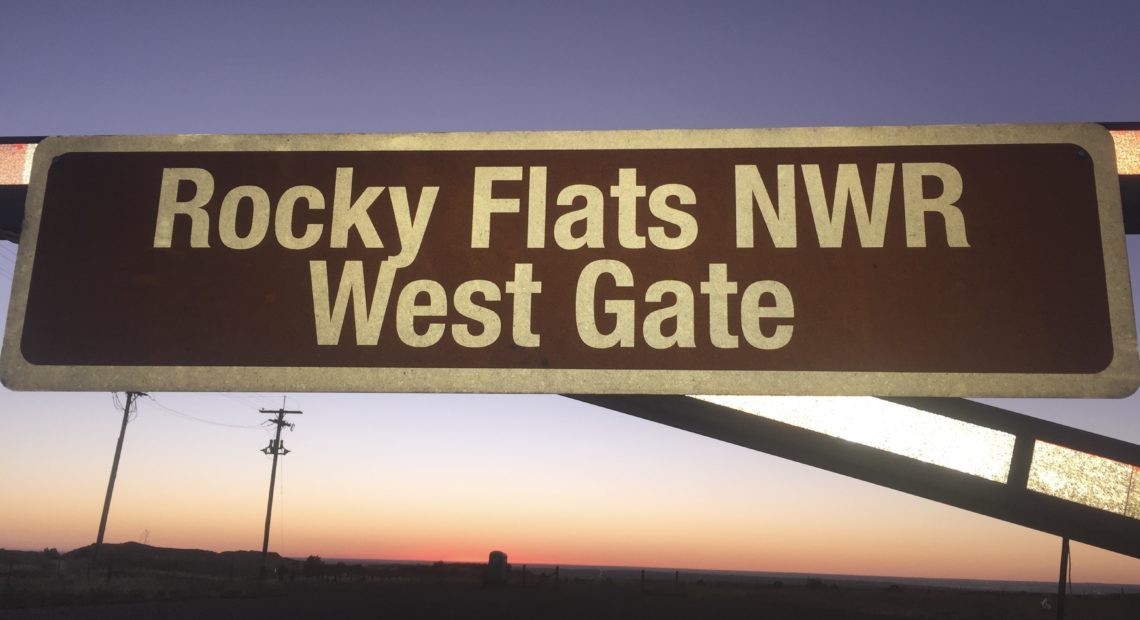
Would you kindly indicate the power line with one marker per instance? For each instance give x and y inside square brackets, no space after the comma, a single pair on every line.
[255,397]
[248,399]
[183,414]
[237,399]
[130,407]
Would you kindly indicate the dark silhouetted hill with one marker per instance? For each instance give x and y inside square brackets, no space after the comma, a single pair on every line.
[138,555]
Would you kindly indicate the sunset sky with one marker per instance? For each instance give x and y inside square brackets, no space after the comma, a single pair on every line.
[543,478]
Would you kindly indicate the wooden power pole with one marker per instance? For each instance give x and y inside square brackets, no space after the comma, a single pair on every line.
[131,398]
[276,447]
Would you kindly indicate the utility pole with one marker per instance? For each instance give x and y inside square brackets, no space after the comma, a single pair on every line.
[1064,578]
[275,447]
[131,398]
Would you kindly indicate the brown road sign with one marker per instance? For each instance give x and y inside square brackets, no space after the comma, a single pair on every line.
[957,260]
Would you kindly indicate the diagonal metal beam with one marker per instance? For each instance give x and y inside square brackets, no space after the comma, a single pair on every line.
[1011,501]
[12,211]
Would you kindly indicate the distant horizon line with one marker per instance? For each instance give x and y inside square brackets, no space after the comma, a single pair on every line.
[918,580]
[1135,587]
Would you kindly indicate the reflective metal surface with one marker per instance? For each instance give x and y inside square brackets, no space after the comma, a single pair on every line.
[914,433]
[1085,478]
[1127,143]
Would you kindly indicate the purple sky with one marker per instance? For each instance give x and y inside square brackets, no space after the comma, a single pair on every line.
[291,67]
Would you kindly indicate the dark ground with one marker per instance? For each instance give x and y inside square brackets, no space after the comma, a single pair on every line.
[589,600]
[172,585]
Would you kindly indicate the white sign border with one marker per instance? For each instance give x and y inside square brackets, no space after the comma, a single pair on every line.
[1119,379]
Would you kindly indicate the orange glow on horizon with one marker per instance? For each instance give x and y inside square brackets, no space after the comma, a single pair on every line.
[858,550]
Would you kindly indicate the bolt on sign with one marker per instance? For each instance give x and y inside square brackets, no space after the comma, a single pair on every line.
[947,260]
